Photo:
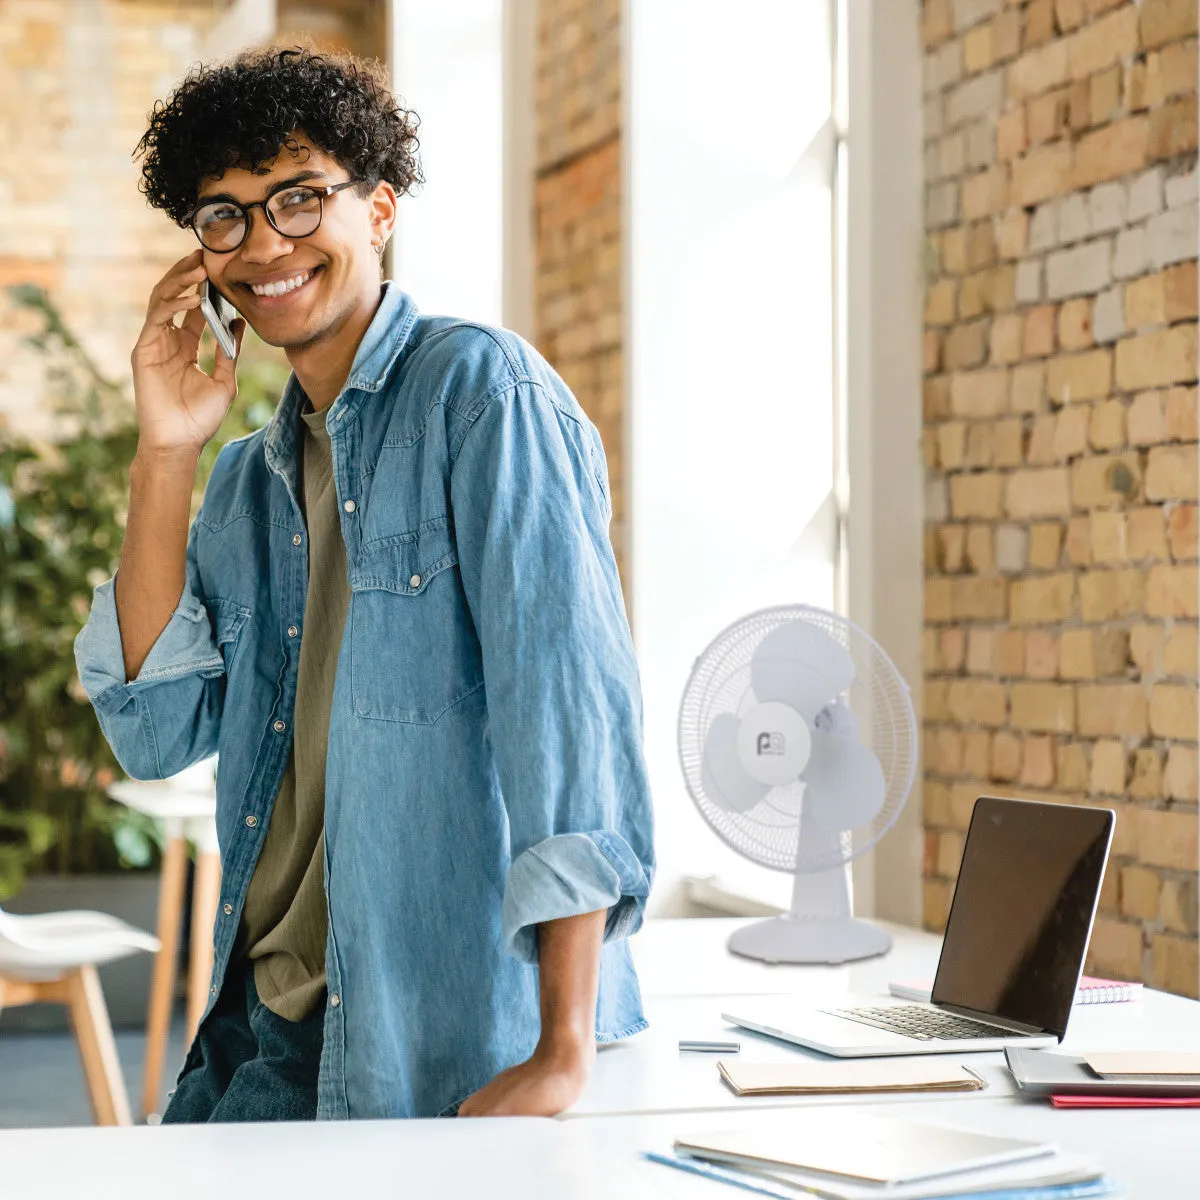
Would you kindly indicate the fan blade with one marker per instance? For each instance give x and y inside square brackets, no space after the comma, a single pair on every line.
[725,779]
[799,665]
[845,784]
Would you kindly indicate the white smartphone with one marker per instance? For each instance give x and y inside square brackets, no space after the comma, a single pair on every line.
[219,314]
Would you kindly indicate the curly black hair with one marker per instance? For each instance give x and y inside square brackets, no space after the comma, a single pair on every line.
[243,112]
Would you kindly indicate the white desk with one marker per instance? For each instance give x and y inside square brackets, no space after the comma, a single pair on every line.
[648,1074]
[521,1159]
[642,1094]
[689,978]
[1155,1153]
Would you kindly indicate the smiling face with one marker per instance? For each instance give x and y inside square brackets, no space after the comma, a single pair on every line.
[297,291]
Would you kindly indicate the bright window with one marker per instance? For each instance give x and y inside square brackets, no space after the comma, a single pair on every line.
[732,153]
[447,64]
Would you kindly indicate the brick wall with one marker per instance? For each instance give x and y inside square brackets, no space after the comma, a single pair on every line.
[577,271]
[76,82]
[1060,433]
[357,26]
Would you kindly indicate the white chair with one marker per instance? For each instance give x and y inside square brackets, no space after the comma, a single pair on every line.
[52,957]
[186,806]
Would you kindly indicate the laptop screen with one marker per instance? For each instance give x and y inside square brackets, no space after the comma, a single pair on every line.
[1022,910]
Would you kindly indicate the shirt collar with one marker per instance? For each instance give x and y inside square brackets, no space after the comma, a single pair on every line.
[385,339]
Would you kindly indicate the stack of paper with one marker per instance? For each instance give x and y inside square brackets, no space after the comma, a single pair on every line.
[808,1076]
[854,1156]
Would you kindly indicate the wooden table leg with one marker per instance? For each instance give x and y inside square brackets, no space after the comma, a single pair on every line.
[206,892]
[162,986]
[101,1067]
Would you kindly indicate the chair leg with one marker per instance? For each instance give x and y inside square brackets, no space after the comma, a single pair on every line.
[16,992]
[162,986]
[206,892]
[101,1067]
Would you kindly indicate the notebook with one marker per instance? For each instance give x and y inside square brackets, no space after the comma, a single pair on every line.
[1058,1177]
[1074,1101]
[1091,990]
[849,1076]
[863,1148]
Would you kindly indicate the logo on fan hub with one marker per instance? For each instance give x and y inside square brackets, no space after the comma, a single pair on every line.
[774,743]
[771,743]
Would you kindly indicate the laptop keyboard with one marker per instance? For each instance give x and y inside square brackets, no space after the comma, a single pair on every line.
[924,1024]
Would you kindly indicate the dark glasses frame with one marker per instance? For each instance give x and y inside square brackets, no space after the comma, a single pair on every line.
[321,191]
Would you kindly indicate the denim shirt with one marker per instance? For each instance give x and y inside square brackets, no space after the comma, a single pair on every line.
[485,769]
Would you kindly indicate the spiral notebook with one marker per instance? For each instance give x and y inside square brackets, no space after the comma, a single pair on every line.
[1091,990]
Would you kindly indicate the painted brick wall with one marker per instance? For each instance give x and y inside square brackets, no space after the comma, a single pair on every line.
[577,274]
[1060,440]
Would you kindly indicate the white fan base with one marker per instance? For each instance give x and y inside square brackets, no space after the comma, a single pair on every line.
[791,939]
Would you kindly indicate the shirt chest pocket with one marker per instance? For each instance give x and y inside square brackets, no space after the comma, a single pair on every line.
[228,618]
[414,651]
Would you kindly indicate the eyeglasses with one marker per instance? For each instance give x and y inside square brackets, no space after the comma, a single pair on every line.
[294,211]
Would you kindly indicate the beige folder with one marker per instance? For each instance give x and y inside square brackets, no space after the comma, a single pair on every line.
[1124,1063]
[848,1075]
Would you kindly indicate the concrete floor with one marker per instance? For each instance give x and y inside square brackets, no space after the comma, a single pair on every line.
[41,1077]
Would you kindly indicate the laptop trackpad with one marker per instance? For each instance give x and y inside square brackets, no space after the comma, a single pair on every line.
[838,1031]
[811,1027]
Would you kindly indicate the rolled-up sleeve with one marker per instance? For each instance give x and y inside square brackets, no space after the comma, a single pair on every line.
[168,717]
[531,513]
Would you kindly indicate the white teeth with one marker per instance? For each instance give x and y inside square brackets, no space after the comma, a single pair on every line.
[280,287]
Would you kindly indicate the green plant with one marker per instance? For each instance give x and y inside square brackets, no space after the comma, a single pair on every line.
[62,516]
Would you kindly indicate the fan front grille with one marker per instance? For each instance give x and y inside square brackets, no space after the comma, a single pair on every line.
[720,682]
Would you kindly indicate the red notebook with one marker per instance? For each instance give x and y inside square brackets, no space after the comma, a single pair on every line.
[1100,1101]
[1105,991]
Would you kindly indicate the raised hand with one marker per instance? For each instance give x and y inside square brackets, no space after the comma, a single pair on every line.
[179,407]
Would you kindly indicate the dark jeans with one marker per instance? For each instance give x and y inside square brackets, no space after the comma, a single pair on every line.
[247,1063]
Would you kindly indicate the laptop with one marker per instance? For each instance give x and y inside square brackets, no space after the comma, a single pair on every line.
[1012,955]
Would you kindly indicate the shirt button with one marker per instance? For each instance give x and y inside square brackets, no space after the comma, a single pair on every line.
[292,631]
[252,820]
[334,1000]
[349,506]
[279,726]
[228,910]
[296,539]
[415,581]
[212,991]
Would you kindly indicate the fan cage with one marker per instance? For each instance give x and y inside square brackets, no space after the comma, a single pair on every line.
[769,833]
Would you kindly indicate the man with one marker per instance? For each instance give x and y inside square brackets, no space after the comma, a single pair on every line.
[398,619]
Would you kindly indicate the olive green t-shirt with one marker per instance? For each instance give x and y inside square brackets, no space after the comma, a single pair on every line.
[284,920]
